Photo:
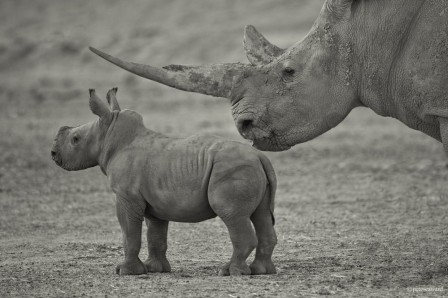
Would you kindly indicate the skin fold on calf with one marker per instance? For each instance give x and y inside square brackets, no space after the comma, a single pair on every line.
[160,179]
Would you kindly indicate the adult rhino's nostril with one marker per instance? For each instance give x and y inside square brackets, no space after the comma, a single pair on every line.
[246,125]
[53,153]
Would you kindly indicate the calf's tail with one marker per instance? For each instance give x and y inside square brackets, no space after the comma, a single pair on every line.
[272,183]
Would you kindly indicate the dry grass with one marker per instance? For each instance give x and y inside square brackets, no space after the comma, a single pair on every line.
[360,211]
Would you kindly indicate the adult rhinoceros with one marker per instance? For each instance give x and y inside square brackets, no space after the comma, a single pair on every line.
[388,55]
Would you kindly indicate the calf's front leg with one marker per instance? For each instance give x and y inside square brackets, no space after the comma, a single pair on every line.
[157,245]
[130,215]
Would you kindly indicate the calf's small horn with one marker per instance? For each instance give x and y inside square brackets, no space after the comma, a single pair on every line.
[215,79]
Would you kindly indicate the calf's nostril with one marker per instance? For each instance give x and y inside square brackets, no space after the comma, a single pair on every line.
[53,153]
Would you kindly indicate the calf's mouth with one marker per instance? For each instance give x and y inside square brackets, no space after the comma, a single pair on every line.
[56,156]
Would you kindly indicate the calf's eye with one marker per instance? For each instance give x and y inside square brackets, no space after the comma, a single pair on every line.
[75,139]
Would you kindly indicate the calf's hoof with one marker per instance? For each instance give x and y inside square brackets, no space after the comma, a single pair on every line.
[262,267]
[234,269]
[131,268]
[154,265]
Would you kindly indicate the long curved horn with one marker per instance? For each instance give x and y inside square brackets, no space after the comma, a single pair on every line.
[259,50]
[215,79]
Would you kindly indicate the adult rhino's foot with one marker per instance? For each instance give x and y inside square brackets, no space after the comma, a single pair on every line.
[131,268]
[262,267]
[234,269]
[157,265]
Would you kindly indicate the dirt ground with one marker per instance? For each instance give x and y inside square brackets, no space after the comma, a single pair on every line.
[360,211]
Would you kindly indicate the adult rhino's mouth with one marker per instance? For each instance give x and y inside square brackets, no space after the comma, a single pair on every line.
[261,138]
[266,144]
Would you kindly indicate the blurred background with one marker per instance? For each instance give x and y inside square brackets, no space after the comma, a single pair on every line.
[346,200]
[43,45]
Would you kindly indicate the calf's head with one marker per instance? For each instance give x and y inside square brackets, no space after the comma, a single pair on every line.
[284,96]
[78,148]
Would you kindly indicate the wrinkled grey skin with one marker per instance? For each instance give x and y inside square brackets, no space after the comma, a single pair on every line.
[162,179]
[388,55]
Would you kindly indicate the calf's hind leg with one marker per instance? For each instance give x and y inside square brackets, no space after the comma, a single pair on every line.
[267,239]
[233,199]
[243,241]
[157,245]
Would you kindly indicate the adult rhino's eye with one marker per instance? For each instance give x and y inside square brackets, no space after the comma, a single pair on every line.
[288,71]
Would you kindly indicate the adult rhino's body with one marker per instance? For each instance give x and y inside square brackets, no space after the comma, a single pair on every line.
[388,55]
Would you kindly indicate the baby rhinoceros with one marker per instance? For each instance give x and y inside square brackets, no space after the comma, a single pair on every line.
[162,179]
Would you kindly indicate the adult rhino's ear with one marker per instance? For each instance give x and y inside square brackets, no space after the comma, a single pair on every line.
[340,9]
[112,99]
[99,107]
[259,50]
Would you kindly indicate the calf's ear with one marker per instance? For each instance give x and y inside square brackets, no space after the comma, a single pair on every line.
[112,99]
[99,107]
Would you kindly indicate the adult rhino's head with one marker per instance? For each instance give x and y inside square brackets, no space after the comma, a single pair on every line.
[78,148]
[284,96]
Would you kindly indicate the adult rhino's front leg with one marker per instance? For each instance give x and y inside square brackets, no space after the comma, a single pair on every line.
[444,133]
[130,215]
[157,245]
